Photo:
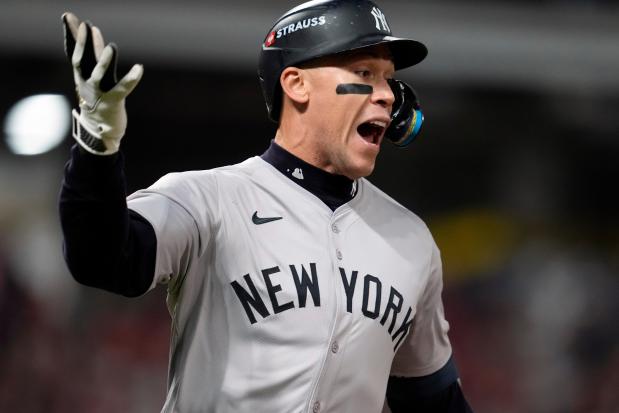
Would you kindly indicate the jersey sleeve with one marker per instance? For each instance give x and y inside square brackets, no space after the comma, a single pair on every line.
[180,210]
[427,348]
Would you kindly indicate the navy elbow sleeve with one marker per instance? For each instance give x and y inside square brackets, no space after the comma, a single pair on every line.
[106,245]
[439,392]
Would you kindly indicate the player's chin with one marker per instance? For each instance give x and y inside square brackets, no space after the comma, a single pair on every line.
[366,171]
[361,166]
[361,157]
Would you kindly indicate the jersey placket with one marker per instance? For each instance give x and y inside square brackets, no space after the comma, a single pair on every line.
[326,381]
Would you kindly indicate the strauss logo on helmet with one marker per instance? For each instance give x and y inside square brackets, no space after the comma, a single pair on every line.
[270,39]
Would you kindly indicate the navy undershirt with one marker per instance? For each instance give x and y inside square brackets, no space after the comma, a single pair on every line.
[333,190]
[108,246]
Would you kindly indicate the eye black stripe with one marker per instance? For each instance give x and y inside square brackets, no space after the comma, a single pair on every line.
[354,88]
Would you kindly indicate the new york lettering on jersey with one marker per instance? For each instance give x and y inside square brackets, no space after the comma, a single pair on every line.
[377,307]
[271,274]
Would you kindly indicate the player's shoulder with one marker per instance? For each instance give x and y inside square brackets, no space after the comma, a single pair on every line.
[210,176]
[381,202]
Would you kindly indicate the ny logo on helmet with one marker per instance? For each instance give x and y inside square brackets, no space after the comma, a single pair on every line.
[381,20]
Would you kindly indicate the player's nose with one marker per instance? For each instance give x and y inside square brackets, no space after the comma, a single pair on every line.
[383,95]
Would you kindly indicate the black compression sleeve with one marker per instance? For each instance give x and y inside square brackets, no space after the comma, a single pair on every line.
[439,392]
[106,245]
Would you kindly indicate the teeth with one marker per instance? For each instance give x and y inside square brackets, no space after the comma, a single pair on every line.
[379,123]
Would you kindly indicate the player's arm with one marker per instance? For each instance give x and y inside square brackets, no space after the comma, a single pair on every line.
[105,245]
[423,374]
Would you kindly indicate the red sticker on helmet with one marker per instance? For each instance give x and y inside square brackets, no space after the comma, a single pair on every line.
[270,39]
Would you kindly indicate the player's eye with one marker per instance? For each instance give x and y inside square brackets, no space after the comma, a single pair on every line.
[364,73]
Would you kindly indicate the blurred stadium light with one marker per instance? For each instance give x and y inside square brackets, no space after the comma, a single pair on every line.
[37,124]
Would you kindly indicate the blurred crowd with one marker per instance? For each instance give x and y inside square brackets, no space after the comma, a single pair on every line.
[109,355]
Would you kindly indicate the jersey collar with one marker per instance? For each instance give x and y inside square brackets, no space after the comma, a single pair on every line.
[333,190]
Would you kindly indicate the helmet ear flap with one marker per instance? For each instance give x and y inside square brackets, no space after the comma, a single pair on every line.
[406,116]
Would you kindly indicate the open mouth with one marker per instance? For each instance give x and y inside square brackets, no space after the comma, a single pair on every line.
[372,131]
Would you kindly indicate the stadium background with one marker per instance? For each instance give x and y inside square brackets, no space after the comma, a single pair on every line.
[515,173]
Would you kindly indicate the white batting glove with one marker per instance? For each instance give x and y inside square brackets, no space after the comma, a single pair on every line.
[101,122]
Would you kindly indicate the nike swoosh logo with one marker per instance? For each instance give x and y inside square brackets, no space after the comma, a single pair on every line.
[258,221]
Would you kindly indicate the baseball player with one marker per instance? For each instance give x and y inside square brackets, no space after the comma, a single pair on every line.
[294,284]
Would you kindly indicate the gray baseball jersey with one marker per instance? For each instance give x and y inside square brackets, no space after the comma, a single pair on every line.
[279,304]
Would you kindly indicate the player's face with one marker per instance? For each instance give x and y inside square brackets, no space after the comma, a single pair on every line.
[351,103]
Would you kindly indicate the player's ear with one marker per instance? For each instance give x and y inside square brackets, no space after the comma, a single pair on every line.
[294,85]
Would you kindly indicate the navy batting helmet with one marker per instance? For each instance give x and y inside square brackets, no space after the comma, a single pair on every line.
[326,27]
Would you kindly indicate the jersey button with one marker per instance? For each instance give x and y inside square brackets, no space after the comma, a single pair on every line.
[316,407]
[338,254]
[335,347]
[335,229]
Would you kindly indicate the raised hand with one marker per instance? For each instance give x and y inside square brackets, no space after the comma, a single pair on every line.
[102,119]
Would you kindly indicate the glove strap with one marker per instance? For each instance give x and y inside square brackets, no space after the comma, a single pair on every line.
[87,140]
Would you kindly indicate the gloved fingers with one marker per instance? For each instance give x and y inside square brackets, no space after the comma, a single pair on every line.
[102,66]
[97,42]
[89,59]
[78,52]
[109,79]
[129,81]
[80,41]
[70,25]
[83,58]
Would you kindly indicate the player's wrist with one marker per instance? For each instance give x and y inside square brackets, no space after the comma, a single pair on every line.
[91,136]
